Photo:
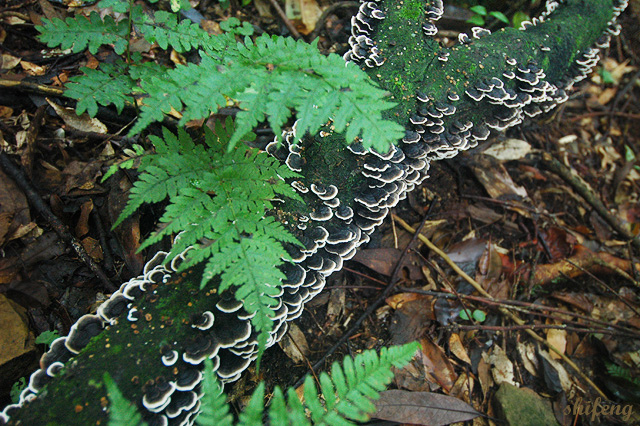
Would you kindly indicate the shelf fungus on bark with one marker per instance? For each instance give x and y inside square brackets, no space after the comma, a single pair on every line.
[485,82]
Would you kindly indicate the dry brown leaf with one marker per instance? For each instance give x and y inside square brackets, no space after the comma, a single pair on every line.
[294,344]
[607,95]
[457,348]
[509,149]
[484,374]
[49,11]
[555,375]
[437,365]
[411,319]
[8,62]
[496,179]
[502,370]
[16,341]
[14,210]
[528,357]
[305,13]
[128,233]
[33,69]
[83,122]
[422,408]
[558,339]
[93,248]
[463,387]
[5,112]
[82,227]
[384,261]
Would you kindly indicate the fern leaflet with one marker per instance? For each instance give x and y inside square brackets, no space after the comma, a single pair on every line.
[214,409]
[217,202]
[347,393]
[269,78]
[80,33]
[121,411]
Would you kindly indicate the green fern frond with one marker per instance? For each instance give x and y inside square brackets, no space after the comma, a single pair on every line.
[80,33]
[217,202]
[111,84]
[270,78]
[252,414]
[214,409]
[121,411]
[167,29]
[347,393]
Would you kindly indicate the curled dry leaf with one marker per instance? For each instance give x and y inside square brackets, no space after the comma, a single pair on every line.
[294,344]
[528,357]
[502,370]
[558,339]
[496,179]
[436,364]
[422,408]
[555,375]
[457,348]
[509,150]
[84,123]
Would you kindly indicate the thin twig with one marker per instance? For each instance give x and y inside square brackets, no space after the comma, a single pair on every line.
[40,89]
[379,301]
[503,310]
[581,188]
[60,228]
[287,21]
[530,327]
[329,10]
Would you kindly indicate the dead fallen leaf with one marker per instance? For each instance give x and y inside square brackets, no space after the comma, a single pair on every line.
[558,339]
[305,13]
[607,95]
[555,375]
[509,149]
[422,408]
[33,69]
[457,348]
[83,122]
[128,233]
[14,211]
[496,179]
[92,247]
[528,357]
[8,62]
[16,342]
[384,261]
[82,227]
[412,317]
[502,370]
[294,344]
[436,364]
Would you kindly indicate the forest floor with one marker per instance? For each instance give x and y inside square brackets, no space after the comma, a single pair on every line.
[529,229]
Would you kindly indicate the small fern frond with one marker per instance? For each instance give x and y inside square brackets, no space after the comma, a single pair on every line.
[214,409]
[217,202]
[347,394]
[270,78]
[111,84]
[121,411]
[80,33]
[252,414]
[352,385]
[168,31]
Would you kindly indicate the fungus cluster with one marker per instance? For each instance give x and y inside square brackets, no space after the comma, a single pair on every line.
[362,47]
[333,228]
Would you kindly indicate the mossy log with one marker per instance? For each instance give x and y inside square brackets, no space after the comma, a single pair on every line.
[154,333]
